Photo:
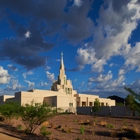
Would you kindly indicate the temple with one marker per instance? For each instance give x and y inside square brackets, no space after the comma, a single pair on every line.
[62,95]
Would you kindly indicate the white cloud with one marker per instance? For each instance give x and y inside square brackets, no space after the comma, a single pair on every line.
[12,67]
[111,64]
[121,72]
[4,76]
[85,56]
[118,82]
[58,60]
[78,2]
[48,68]
[43,84]
[27,35]
[30,84]
[27,73]
[15,85]
[101,78]
[82,83]
[110,38]
[98,66]
[132,58]
[50,76]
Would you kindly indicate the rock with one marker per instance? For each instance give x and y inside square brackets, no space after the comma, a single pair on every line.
[46,123]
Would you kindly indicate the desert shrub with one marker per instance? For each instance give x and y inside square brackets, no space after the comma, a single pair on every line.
[19,127]
[43,131]
[63,130]
[10,110]
[110,126]
[82,130]
[69,130]
[35,114]
[125,124]
[75,120]
[93,133]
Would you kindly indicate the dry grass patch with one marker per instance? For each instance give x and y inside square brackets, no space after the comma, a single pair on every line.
[103,123]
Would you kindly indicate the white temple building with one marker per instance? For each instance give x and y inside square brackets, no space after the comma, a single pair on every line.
[62,95]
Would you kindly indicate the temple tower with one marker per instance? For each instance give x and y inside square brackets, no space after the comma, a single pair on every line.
[62,76]
[62,84]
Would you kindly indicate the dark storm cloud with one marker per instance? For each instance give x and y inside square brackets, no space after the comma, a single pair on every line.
[50,18]
[24,51]
[121,8]
[54,14]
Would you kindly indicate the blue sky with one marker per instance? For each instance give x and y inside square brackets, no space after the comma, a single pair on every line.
[100,40]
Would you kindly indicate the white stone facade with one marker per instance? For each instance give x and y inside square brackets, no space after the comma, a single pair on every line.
[61,94]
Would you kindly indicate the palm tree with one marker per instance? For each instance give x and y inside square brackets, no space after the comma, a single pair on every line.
[132,100]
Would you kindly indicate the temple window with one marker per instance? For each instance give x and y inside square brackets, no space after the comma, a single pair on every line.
[66,90]
[70,104]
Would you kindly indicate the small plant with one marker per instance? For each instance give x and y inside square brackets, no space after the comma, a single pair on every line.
[93,133]
[95,120]
[19,127]
[125,124]
[27,131]
[69,130]
[110,126]
[82,130]
[75,120]
[63,130]
[43,131]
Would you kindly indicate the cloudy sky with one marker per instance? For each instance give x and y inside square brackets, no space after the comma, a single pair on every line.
[100,40]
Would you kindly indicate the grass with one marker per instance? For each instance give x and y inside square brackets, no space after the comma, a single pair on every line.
[82,130]
[110,126]
[43,131]
[19,127]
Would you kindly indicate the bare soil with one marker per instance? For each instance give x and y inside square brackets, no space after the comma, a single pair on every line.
[68,126]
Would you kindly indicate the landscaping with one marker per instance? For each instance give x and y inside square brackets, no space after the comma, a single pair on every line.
[76,127]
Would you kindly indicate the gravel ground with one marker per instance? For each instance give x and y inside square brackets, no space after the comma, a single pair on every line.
[67,127]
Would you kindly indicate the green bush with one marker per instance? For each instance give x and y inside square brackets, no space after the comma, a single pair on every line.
[19,127]
[43,131]
[110,126]
[82,130]
[96,106]
[35,114]
[10,110]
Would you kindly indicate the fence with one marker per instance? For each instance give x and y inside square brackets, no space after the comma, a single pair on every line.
[106,111]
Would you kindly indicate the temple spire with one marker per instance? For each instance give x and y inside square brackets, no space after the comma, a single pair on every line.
[62,63]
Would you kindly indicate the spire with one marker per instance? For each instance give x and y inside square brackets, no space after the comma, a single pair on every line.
[62,64]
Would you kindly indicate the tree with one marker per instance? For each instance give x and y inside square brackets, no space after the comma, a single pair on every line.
[96,106]
[10,110]
[131,100]
[136,95]
[35,114]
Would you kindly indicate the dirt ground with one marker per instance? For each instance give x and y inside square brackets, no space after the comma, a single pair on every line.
[77,127]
